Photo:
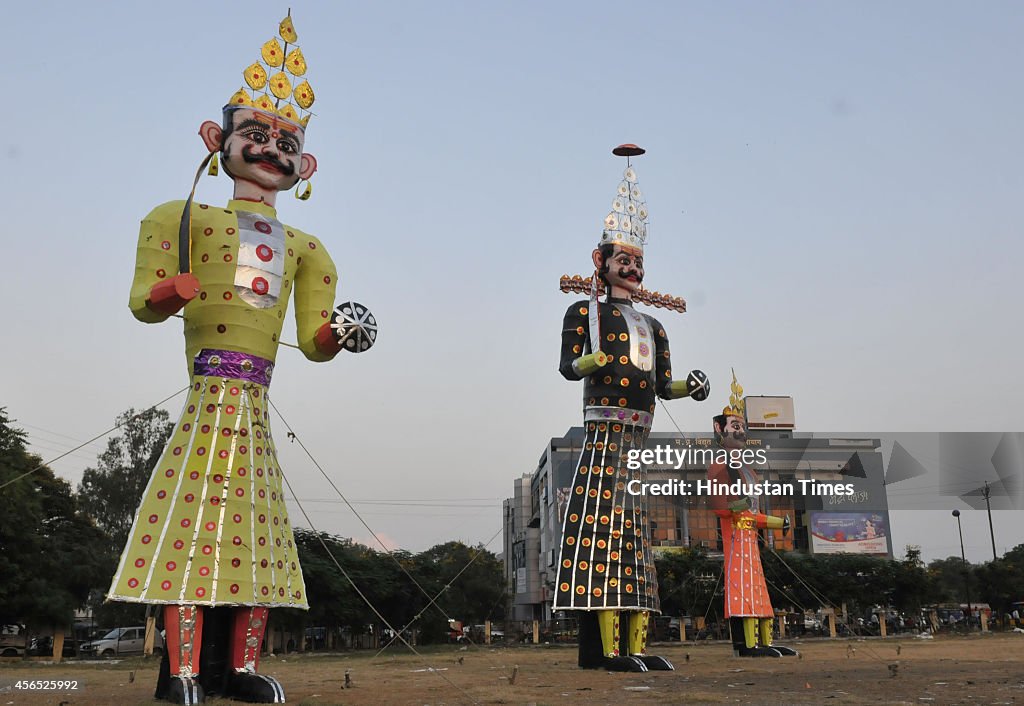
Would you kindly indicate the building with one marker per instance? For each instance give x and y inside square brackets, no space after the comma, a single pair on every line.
[837,500]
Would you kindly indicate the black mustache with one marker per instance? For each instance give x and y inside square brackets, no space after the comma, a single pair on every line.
[626,273]
[250,158]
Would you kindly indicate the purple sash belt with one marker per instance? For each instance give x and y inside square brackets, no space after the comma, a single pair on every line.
[232,364]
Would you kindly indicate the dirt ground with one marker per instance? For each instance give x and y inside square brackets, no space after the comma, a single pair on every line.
[981,669]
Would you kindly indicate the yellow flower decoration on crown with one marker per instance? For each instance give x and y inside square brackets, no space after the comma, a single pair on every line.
[272,91]
[287,30]
[737,405]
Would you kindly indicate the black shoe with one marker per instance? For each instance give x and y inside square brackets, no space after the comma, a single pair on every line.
[185,691]
[655,663]
[758,652]
[624,664]
[255,688]
[786,651]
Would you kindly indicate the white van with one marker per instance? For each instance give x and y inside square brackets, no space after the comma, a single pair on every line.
[122,641]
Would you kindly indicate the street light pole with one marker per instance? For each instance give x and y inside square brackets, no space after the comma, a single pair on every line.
[967,576]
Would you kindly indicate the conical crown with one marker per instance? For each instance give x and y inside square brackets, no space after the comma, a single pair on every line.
[270,87]
[737,405]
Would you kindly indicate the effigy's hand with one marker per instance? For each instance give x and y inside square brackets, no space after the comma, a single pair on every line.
[785,525]
[739,505]
[590,363]
[170,295]
[696,386]
[352,327]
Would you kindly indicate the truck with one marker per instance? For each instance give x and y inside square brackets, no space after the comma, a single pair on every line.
[14,641]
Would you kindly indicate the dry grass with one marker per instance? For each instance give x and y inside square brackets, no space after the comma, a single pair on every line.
[956,670]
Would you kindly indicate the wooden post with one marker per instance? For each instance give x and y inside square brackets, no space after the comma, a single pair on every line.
[881,624]
[150,638]
[487,632]
[781,620]
[933,618]
[830,616]
[58,644]
[984,624]
[536,632]
[682,630]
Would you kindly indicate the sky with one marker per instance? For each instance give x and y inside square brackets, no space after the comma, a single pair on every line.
[834,188]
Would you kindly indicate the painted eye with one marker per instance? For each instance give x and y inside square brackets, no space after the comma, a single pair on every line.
[258,137]
[285,146]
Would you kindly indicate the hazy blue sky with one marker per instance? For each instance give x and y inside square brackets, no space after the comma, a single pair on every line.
[834,187]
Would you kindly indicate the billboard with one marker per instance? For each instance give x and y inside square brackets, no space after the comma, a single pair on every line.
[849,532]
[770,413]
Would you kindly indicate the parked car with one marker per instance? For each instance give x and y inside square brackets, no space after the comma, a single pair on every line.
[122,641]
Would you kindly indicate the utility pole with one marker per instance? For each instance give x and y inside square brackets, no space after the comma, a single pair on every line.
[991,532]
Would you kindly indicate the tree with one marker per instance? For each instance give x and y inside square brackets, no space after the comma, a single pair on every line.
[1001,581]
[333,601]
[686,582]
[813,581]
[111,492]
[912,588]
[475,595]
[947,576]
[51,554]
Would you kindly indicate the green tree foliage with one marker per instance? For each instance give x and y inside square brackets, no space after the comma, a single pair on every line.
[332,599]
[949,581]
[808,582]
[476,595]
[689,582]
[111,492]
[51,554]
[1001,582]
[911,588]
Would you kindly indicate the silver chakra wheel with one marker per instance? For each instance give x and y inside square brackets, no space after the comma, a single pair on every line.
[355,326]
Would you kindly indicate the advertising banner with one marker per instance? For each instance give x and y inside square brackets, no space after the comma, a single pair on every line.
[848,532]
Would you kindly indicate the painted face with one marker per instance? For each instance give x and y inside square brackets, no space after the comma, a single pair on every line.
[734,435]
[262,149]
[625,269]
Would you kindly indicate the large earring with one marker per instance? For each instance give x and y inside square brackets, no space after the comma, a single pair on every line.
[214,169]
[306,193]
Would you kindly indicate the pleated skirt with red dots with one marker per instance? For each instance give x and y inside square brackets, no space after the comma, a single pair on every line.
[212,527]
[605,562]
[746,593]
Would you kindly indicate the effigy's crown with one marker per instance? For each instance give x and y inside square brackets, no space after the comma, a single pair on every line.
[626,224]
[737,405]
[270,88]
